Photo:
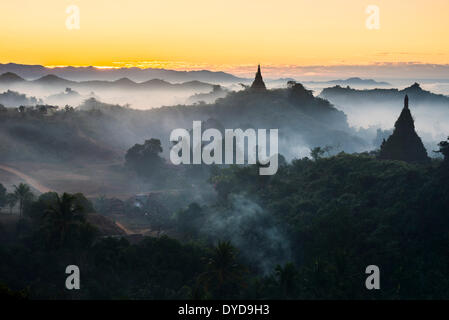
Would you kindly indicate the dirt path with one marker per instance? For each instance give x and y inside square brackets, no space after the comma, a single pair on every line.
[32,182]
[126,230]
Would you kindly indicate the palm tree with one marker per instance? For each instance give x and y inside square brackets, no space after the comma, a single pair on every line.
[64,213]
[23,194]
[223,273]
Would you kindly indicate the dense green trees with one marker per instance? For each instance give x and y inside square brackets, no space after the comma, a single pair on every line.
[56,234]
[339,214]
[349,211]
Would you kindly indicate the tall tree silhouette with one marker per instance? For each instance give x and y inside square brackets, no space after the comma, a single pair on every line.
[23,194]
[223,273]
[444,150]
[62,215]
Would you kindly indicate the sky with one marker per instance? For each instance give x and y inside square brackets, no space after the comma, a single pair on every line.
[231,35]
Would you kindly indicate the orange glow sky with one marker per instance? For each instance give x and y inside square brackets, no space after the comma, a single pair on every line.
[225,35]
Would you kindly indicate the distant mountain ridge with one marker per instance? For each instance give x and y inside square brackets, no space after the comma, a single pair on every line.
[123,83]
[354,81]
[338,95]
[31,72]
[10,77]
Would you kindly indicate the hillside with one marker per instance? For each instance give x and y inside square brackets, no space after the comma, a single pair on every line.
[307,232]
[340,95]
[345,212]
[101,131]
[381,107]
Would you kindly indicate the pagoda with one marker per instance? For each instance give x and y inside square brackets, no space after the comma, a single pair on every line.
[404,144]
[258,84]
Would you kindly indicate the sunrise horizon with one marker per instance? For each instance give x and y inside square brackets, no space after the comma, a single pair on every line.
[379,70]
[215,36]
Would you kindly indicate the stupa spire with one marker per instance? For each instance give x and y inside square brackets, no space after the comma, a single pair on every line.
[404,144]
[258,83]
